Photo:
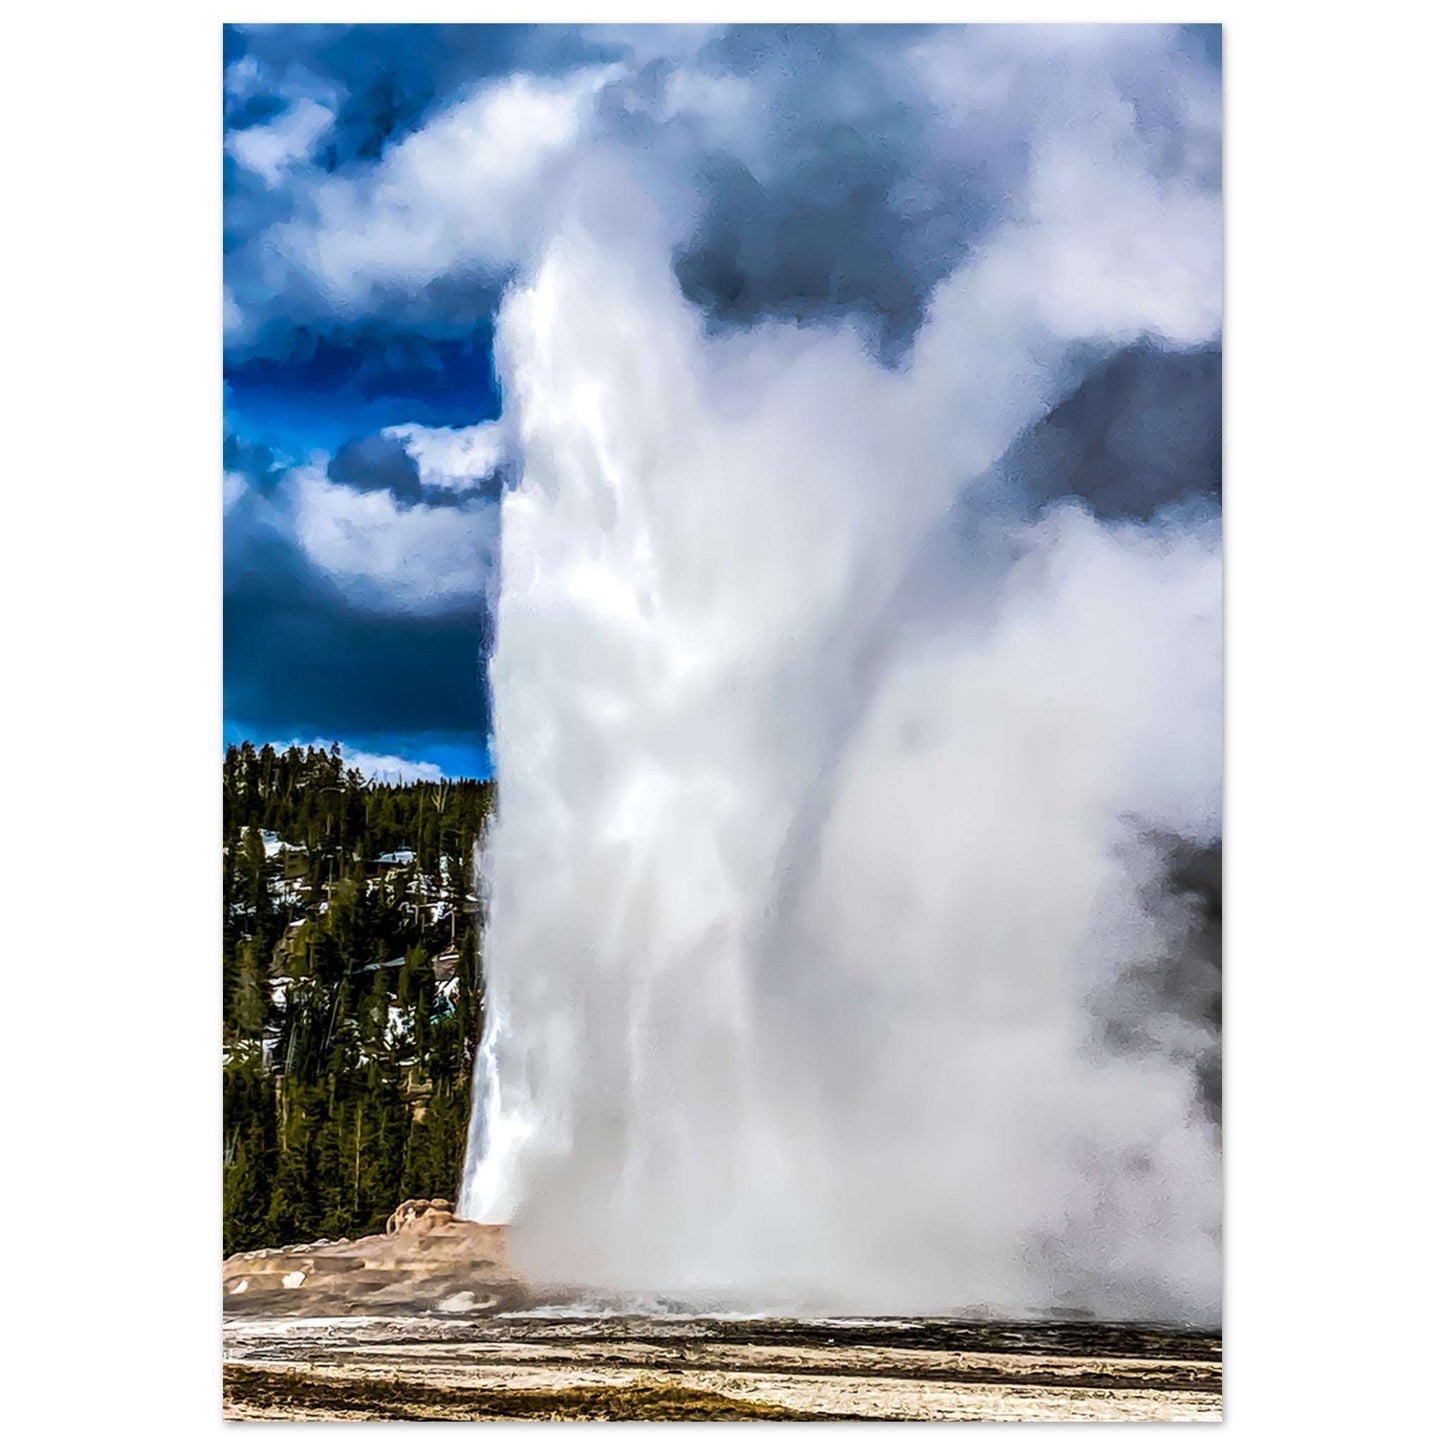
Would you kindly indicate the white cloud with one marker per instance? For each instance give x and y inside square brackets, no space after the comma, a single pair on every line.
[467,191]
[388,556]
[281,145]
[382,767]
[387,768]
[453,458]
[244,77]
[1117,230]
[233,488]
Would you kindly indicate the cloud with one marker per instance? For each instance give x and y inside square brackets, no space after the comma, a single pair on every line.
[806,171]
[388,555]
[377,463]
[1143,431]
[306,654]
[290,140]
[302,657]
[244,78]
[233,489]
[377,767]
[460,195]
[453,459]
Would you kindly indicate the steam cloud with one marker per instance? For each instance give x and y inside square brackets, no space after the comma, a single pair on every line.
[847,945]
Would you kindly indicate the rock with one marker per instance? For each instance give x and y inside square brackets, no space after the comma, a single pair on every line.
[420,1216]
[427,1261]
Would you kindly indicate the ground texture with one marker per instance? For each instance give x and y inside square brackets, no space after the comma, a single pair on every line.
[430,1321]
[548,1366]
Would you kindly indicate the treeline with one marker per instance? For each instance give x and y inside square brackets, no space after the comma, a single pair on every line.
[352,995]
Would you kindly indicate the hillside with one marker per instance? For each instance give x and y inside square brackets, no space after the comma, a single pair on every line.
[352,1001]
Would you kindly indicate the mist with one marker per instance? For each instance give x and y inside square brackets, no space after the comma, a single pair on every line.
[854,739]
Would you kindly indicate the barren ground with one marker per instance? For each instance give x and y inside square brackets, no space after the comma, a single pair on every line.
[541,1365]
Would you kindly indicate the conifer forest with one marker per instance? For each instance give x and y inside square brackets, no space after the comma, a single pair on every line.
[352,997]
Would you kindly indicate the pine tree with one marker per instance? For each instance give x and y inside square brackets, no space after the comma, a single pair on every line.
[248,1003]
[342,1123]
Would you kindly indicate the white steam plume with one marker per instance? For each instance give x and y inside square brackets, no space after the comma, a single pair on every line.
[820,780]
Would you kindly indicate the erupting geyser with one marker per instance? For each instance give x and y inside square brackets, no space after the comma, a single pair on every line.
[832,771]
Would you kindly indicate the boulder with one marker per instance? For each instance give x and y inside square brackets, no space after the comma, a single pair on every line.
[427,1261]
[421,1216]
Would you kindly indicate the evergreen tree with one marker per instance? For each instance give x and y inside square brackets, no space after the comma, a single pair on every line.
[347,1114]
[247,1012]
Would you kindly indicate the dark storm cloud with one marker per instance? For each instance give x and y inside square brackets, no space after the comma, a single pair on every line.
[377,463]
[1143,431]
[332,383]
[846,203]
[854,216]
[760,251]
[377,84]
[1170,1001]
[301,660]
[383,463]
[388,78]
[308,657]
[431,347]
[255,461]
[838,200]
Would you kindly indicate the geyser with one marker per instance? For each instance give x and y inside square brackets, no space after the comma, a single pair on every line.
[831,767]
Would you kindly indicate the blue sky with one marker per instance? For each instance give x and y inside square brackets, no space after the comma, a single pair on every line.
[376,207]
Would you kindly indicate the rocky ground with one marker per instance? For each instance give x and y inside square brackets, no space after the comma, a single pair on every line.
[427,1261]
[429,1322]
